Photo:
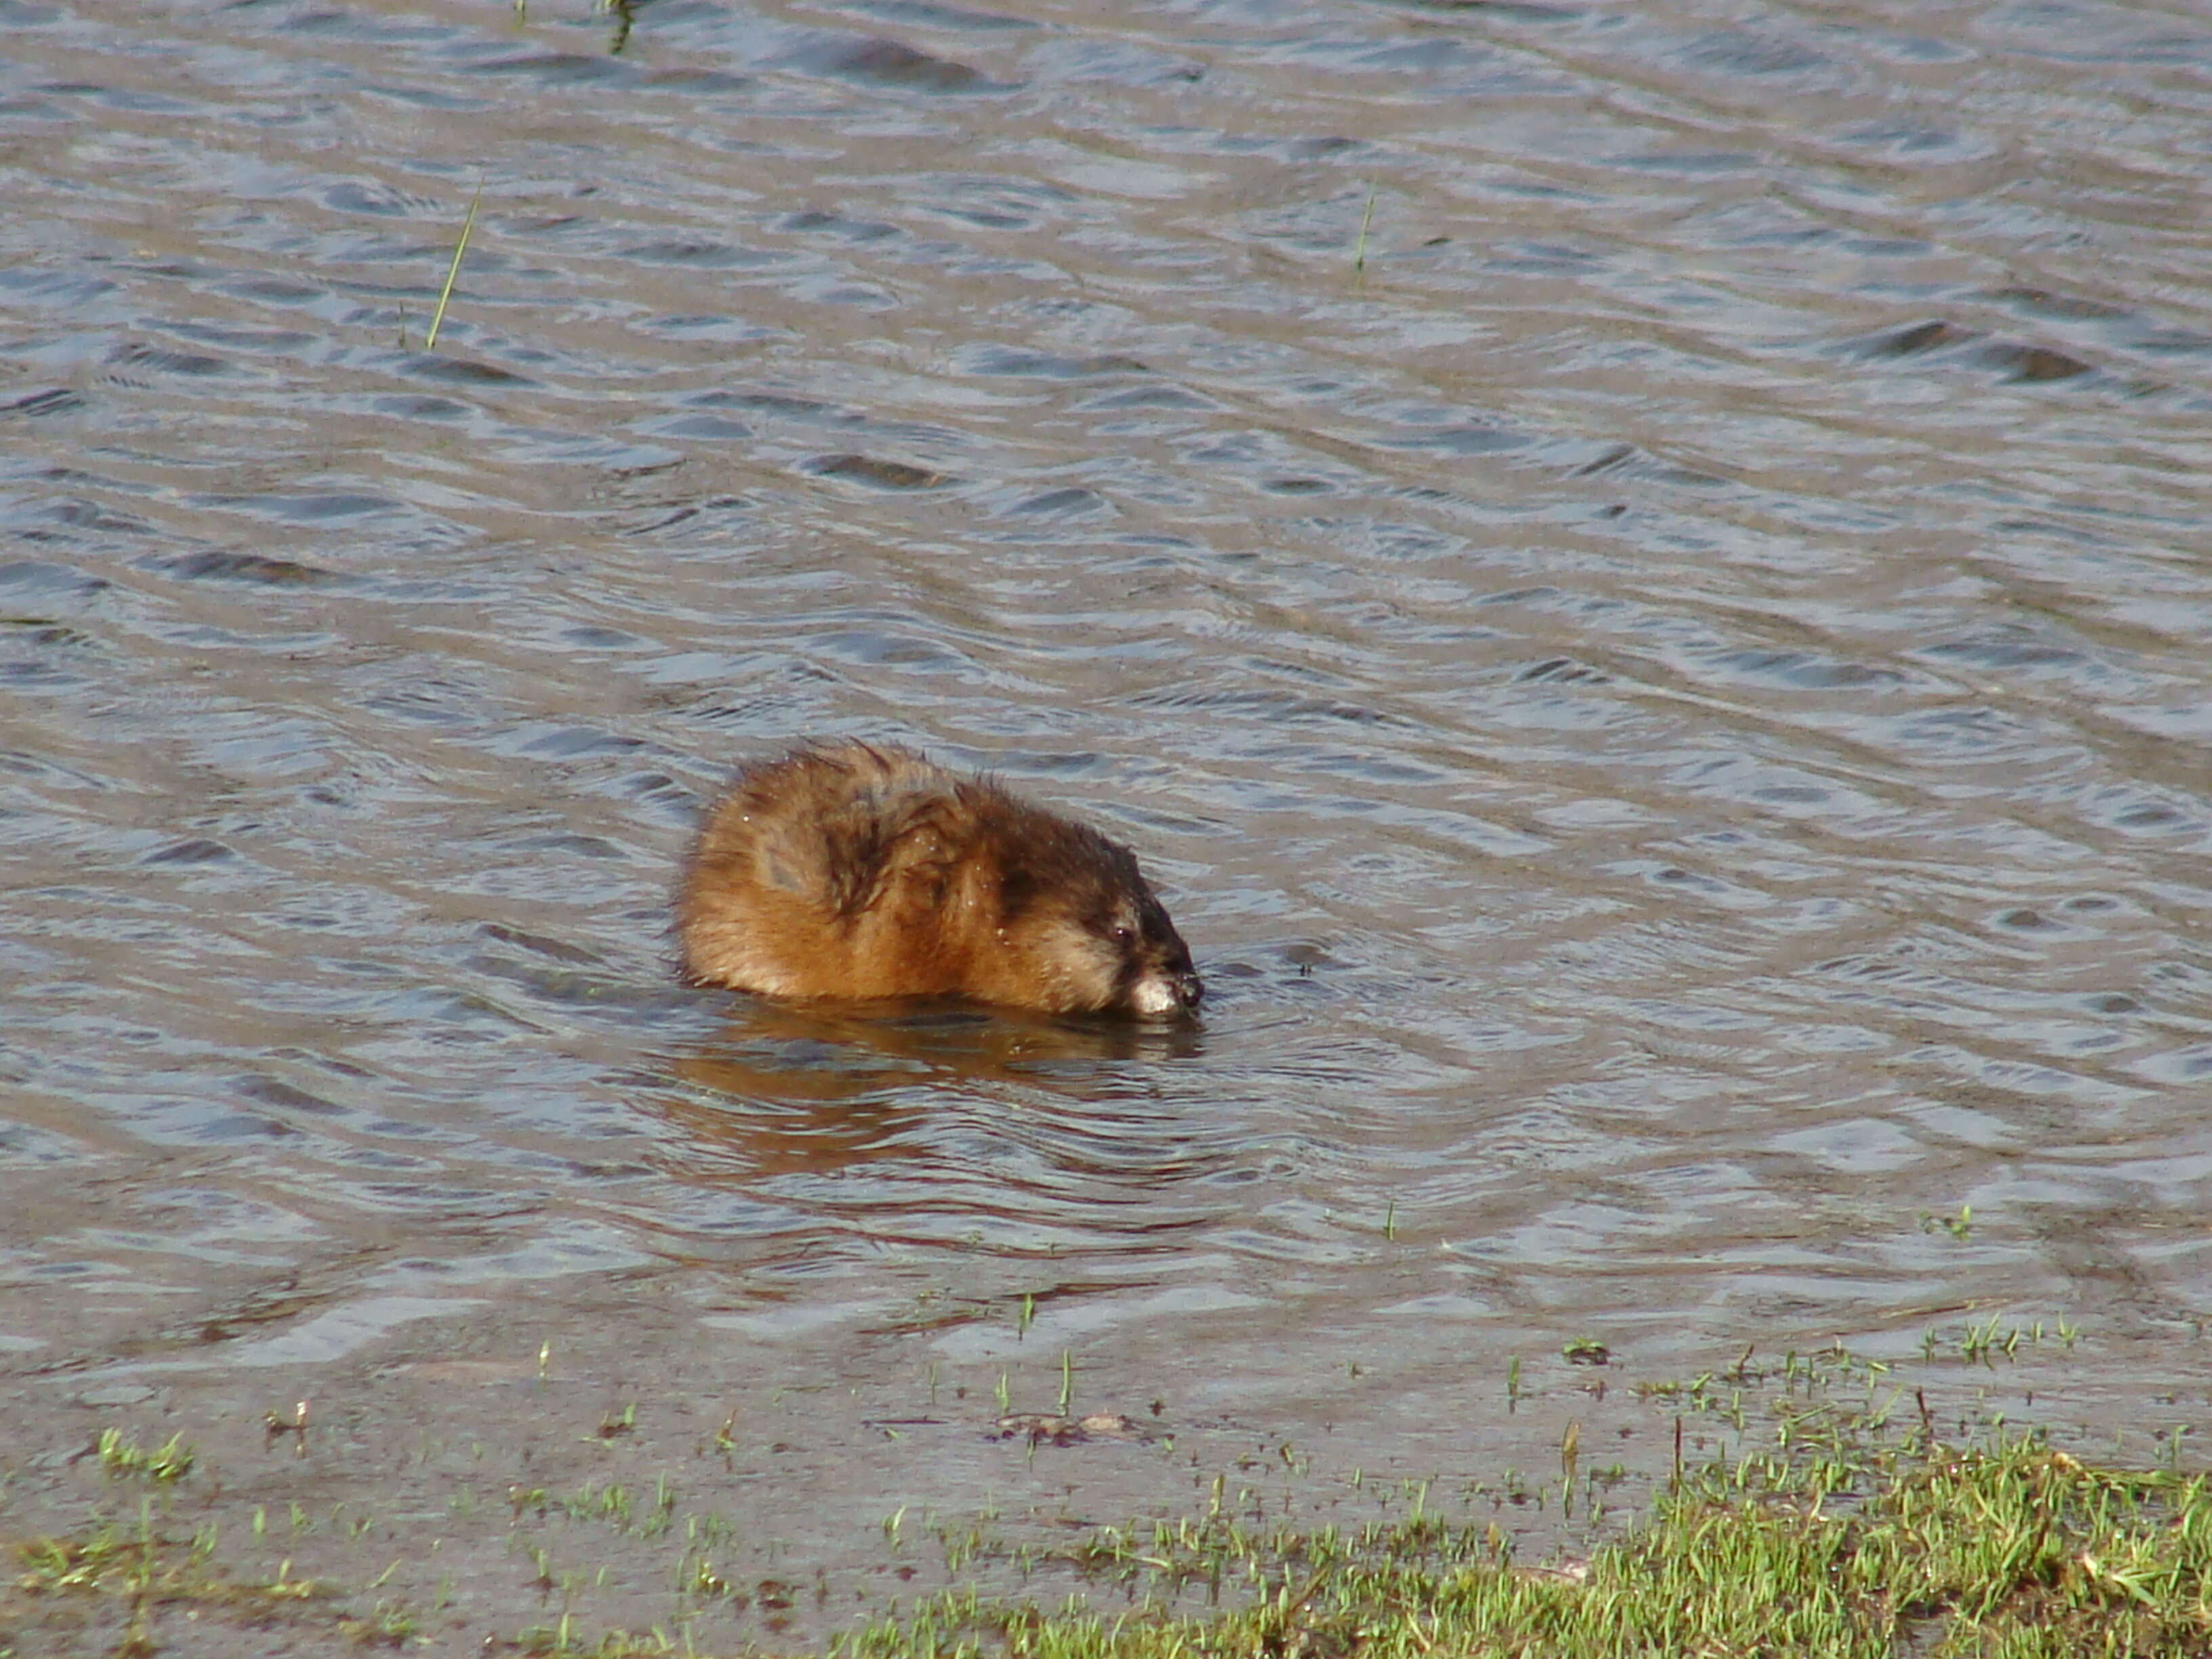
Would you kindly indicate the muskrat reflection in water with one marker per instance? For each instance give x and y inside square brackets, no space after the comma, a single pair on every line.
[859,872]
[817,1087]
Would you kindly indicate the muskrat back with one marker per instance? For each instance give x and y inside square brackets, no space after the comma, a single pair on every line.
[857,870]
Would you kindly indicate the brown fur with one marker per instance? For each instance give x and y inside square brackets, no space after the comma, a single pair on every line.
[855,872]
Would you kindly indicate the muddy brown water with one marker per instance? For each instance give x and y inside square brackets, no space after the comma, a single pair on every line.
[1639,575]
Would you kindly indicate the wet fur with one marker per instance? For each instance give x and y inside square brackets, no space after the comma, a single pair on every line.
[858,871]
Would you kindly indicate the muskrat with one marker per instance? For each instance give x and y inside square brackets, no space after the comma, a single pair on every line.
[858,871]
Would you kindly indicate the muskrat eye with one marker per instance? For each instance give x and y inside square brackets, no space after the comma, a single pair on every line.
[1123,936]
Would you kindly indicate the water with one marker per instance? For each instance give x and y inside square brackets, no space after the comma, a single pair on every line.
[1637,575]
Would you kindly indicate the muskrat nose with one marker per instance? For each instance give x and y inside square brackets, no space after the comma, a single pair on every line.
[1163,993]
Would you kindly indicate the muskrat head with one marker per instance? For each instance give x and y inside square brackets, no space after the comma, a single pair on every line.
[1077,913]
[1144,958]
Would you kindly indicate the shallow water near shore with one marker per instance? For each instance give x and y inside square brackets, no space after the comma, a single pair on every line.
[1636,576]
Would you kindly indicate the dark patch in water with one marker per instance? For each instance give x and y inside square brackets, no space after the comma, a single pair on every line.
[247,568]
[883,475]
[890,63]
[55,400]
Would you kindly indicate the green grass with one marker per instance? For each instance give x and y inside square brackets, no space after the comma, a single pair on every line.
[123,1458]
[453,271]
[143,1569]
[2014,1552]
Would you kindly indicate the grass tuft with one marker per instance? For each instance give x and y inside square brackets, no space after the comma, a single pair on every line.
[121,1456]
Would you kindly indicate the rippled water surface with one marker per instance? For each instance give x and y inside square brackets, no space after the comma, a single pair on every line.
[1638,575]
